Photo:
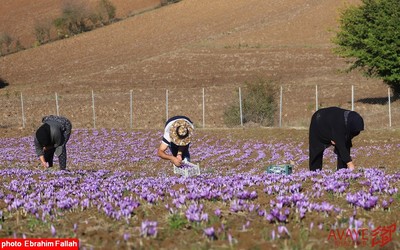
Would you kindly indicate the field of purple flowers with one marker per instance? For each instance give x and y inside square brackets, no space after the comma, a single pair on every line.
[118,194]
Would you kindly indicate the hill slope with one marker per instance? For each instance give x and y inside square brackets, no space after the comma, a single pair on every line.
[196,43]
[18,18]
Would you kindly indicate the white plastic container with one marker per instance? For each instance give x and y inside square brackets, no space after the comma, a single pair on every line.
[190,169]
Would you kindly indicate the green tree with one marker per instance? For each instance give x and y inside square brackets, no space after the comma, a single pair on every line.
[370,34]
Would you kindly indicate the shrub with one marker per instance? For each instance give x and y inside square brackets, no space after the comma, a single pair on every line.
[42,32]
[8,45]
[258,105]
[5,43]
[18,46]
[107,11]
[75,19]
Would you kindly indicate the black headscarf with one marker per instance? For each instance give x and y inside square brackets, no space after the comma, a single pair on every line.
[43,135]
[355,123]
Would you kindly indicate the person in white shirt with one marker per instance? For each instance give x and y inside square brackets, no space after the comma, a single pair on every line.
[177,136]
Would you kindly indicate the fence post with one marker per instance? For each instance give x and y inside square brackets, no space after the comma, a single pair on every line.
[131,108]
[390,109]
[94,112]
[166,104]
[240,107]
[316,97]
[57,107]
[23,112]
[352,97]
[280,107]
[204,107]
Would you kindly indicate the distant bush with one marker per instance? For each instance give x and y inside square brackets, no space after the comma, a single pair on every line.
[5,43]
[42,32]
[106,11]
[76,17]
[74,20]
[258,105]
[8,45]
[18,46]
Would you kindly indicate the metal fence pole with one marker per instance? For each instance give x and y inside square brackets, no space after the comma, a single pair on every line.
[316,97]
[204,109]
[94,112]
[390,109]
[166,104]
[240,106]
[352,97]
[57,107]
[131,108]
[23,112]
[280,107]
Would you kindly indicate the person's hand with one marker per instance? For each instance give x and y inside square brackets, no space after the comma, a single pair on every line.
[350,165]
[177,161]
[45,164]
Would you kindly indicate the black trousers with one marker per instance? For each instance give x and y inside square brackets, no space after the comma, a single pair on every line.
[317,148]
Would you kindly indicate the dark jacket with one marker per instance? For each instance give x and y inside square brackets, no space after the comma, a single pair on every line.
[60,130]
[338,125]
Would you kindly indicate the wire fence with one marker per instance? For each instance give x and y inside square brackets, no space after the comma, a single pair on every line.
[150,108]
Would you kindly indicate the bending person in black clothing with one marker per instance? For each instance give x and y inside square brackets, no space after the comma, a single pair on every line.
[337,127]
[51,138]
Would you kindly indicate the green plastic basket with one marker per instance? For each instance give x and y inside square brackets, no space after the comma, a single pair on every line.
[285,169]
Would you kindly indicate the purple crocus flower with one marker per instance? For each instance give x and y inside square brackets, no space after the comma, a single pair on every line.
[210,233]
[282,231]
[126,236]
[230,239]
[148,229]
[53,230]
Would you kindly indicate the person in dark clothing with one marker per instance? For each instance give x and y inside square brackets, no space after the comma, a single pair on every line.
[333,126]
[177,136]
[51,138]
